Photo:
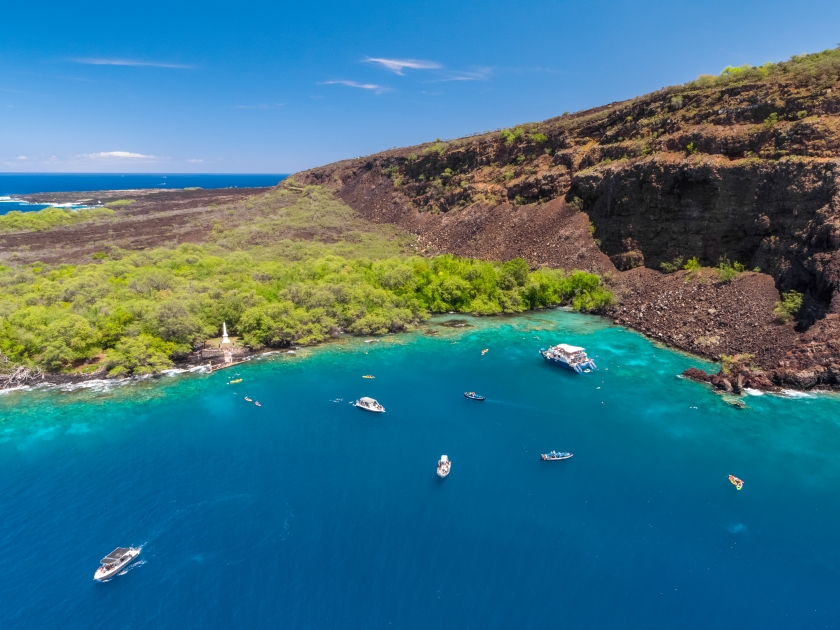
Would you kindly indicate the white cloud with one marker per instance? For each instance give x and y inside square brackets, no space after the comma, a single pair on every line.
[131,62]
[21,157]
[364,86]
[195,160]
[398,65]
[117,155]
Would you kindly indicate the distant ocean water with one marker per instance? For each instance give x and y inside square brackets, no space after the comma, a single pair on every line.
[15,184]
[308,513]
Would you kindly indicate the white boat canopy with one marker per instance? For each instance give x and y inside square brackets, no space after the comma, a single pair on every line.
[567,348]
[367,400]
[115,555]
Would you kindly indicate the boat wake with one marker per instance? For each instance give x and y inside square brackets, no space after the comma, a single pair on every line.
[131,567]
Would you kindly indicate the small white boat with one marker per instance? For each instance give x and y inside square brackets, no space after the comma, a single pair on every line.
[368,404]
[554,456]
[115,562]
[443,467]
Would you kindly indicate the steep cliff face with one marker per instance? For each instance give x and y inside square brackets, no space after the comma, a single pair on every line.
[779,216]
[743,167]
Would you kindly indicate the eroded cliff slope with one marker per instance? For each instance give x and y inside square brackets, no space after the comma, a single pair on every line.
[742,167]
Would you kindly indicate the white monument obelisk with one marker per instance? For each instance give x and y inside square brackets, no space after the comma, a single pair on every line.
[225,339]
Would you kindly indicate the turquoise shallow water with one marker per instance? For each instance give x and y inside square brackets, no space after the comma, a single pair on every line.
[306,513]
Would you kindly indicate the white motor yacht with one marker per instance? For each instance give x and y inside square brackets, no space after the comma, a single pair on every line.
[115,562]
[443,466]
[369,404]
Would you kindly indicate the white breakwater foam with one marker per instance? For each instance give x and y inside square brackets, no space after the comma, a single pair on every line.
[176,371]
[96,385]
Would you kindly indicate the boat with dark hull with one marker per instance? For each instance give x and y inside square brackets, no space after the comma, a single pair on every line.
[570,357]
[554,456]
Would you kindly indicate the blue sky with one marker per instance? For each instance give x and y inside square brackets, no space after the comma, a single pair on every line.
[277,87]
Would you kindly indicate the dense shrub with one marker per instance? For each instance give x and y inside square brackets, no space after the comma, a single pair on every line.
[137,312]
[16,221]
[816,69]
[788,307]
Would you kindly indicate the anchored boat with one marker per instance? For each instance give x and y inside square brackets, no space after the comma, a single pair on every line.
[443,467]
[554,456]
[570,357]
[473,396]
[736,482]
[368,404]
[115,562]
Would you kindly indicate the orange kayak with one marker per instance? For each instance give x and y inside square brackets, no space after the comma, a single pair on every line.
[736,482]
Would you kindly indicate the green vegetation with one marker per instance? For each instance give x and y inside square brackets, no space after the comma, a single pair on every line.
[671,267]
[692,264]
[816,69]
[771,121]
[728,362]
[136,312]
[512,135]
[127,202]
[48,218]
[728,271]
[438,147]
[789,306]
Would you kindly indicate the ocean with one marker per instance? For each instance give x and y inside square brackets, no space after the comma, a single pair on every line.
[13,185]
[308,513]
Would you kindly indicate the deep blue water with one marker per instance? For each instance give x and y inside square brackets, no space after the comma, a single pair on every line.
[306,513]
[12,184]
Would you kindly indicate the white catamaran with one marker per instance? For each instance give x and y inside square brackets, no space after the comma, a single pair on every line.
[570,357]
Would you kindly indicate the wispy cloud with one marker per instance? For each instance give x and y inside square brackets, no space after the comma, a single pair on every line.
[21,157]
[260,106]
[364,86]
[117,155]
[398,65]
[131,62]
[194,160]
[479,74]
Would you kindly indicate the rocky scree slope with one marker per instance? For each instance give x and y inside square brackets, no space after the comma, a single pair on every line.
[742,167]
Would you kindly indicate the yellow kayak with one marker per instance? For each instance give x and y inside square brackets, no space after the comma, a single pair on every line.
[483,352]
[238,380]
[368,376]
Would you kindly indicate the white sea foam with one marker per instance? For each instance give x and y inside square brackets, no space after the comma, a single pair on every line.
[753,392]
[96,385]
[21,388]
[794,393]
[189,370]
